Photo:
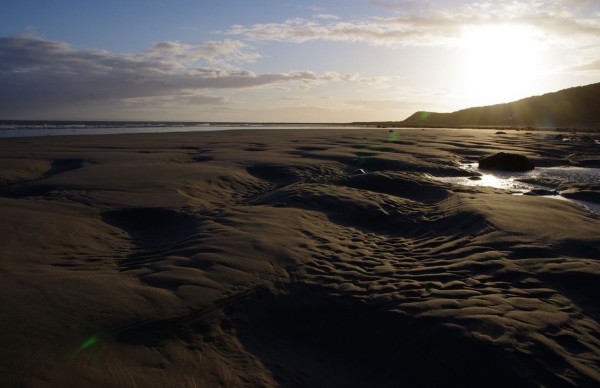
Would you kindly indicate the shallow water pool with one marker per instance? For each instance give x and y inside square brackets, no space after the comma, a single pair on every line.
[519,183]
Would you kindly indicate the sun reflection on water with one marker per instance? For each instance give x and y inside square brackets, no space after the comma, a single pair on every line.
[523,182]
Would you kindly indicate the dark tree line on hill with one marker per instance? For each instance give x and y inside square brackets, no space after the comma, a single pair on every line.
[577,107]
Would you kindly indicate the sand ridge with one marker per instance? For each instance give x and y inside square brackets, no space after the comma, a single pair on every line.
[267,258]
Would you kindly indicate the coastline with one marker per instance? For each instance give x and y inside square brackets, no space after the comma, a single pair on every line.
[34,128]
[12,129]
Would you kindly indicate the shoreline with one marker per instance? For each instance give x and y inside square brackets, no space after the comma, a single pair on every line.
[82,130]
[30,128]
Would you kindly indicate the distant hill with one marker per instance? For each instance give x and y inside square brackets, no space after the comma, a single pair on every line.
[577,107]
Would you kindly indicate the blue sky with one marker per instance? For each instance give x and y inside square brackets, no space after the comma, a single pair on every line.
[299,61]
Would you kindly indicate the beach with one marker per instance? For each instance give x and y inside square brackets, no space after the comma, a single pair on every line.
[294,258]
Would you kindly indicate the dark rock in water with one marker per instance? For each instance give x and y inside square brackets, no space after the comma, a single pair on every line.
[506,162]
[500,133]
[474,178]
[541,192]
[582,195]
[360,171]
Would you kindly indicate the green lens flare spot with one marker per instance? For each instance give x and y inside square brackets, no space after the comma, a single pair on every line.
[392,136]
[424,115]
[89,342]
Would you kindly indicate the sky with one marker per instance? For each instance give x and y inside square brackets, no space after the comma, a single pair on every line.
[287,61]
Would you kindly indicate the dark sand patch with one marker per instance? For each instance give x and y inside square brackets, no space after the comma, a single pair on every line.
[156,232]
[417,187]
[308,338]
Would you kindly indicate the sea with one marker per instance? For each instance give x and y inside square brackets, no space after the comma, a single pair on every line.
[10,129]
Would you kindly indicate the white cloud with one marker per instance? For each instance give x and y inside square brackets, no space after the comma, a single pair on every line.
[326,16]
[225,53]
[426,24]
[375,104]
[591,66]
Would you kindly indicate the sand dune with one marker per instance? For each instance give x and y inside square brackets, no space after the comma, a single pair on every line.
[267,258]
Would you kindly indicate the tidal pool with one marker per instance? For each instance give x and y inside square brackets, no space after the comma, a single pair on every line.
[543,180]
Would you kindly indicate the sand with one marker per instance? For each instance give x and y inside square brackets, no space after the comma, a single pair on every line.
[260,258]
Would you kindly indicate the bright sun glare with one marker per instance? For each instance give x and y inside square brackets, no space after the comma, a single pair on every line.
[501,62]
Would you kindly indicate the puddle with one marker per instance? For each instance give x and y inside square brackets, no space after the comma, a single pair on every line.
[519,183]
[567,174]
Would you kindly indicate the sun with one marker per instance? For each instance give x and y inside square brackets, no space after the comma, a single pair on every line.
[501,62]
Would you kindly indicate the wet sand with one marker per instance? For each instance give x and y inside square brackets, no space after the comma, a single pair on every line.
[260,258]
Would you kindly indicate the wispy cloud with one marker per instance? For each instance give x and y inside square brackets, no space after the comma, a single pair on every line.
[375,104]
[400,5]
[225,53]
[174,101]
[36,73]
[428,23]
[327,16]
[592,66]
[376,31]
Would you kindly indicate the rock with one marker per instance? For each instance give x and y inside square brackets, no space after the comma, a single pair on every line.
[541,192]
[582,195]
[506,162]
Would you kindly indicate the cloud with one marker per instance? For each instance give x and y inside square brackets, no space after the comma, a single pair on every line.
[399,5]
[327,16]
[174,101]
[390,107]
[223,53]
[40,74]
[376,31]
[592,66]
[375,104]
[432,24]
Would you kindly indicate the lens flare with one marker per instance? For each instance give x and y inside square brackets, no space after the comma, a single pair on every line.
[88,343]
